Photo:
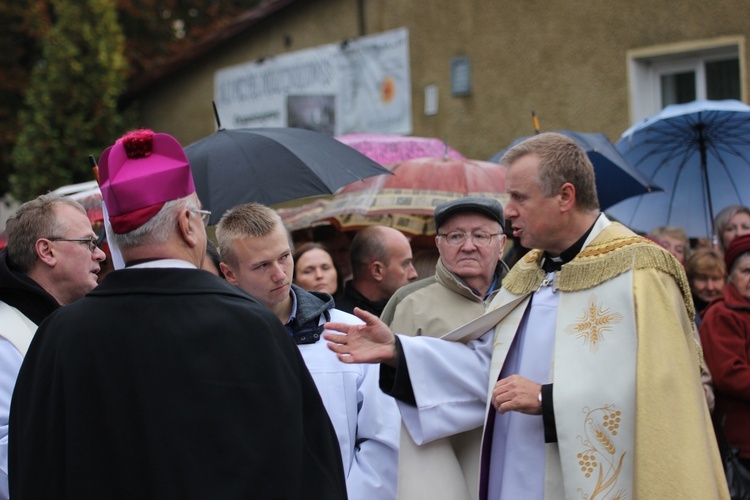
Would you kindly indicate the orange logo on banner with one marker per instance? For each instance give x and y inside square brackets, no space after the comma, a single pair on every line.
[387,90]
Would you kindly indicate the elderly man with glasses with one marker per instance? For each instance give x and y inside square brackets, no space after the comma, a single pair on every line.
[51,260]
[166,381]
[470,241]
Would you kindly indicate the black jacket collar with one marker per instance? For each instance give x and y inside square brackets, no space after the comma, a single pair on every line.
[19,291]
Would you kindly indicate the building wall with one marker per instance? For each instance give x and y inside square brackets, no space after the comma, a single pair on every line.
[181,105]
[567,61]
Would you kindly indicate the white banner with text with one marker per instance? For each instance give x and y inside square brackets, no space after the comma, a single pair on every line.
[361,85]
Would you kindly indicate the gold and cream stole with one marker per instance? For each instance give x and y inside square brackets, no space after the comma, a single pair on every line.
[593,372]
[594,377]
[594,362]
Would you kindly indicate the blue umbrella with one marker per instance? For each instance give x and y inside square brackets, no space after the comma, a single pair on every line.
[616,178]
[700,153]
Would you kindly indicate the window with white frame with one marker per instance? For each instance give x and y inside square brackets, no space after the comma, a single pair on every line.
[680,73]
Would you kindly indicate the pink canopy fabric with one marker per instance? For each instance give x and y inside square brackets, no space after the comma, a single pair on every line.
[406,200]
[386,149]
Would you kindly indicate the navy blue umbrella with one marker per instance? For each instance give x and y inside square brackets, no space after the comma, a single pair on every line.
[700,153]
[616,178]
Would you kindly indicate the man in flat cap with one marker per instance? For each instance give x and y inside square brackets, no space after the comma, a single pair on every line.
[468,274]
[167,382]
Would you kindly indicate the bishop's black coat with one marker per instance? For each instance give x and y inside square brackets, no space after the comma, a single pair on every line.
[167,384]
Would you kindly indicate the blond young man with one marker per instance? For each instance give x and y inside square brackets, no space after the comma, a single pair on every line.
[256,256]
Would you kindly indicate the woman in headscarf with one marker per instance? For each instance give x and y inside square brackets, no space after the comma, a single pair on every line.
[725,335]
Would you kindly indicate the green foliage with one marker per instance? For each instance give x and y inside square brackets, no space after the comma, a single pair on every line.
[73,52]
[158,29]
[23,22]
[71,102]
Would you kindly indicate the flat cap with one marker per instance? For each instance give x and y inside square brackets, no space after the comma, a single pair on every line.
[488,207]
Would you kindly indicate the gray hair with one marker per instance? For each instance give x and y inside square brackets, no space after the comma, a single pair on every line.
[158,230]
[35,219]
[736,262]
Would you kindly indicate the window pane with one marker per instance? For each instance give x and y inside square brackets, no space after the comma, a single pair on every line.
[677,88]
[723,79]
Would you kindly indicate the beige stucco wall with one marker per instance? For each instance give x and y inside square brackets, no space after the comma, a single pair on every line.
[181,105]
[565,60]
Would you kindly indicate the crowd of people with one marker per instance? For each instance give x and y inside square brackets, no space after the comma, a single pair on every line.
[260,366]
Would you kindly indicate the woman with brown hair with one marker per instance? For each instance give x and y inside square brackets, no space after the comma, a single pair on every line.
[314,270]
[706,273]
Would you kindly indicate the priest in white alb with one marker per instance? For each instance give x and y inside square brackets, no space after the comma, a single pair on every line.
[585,369]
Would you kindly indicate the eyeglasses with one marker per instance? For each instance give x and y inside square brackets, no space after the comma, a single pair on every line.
[458,238]
[205,215]
[91,242]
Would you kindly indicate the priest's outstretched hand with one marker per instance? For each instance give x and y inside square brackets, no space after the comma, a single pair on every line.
[372,342]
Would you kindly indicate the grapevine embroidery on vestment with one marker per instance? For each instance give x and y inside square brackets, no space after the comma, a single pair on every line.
[600,452]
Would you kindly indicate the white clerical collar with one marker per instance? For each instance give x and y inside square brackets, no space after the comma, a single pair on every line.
[164,263]
[601,222]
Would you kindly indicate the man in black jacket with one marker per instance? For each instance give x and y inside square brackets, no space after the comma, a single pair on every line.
[51,260]
[381,260]
[166,382]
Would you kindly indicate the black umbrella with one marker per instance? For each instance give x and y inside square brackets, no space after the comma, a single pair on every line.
[272,165]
